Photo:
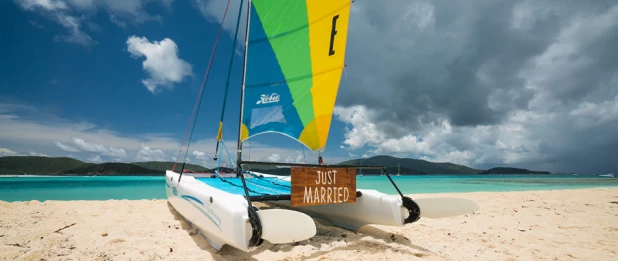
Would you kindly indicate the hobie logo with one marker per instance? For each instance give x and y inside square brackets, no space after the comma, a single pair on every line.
[265,98]
[212,212]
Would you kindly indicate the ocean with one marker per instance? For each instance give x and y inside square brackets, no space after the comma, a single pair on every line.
[43,188]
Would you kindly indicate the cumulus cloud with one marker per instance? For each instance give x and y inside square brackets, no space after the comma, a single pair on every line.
[485,83]
[116,153]
[45,4]
[275,157]
[24,128]
[145,153]
[65,147]
[32,153]
[162,62]
[7,152]
[129,8]
[200,155]
[591,114]
[300,158]
[457,157]
[72,14]
[60,12]
[509,143]
[95,159]
[214,10]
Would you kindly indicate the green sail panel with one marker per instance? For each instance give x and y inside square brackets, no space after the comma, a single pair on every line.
[295,56]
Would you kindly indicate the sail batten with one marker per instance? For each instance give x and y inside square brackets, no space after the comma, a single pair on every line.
[295,57]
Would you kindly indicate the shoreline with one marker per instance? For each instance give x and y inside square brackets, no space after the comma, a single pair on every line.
[518,225]
[363,175]
[412,195]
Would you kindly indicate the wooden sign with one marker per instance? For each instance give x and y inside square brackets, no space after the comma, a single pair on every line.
[323,185]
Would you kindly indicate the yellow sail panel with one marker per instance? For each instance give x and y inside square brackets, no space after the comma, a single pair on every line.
[328,31]
[295,57]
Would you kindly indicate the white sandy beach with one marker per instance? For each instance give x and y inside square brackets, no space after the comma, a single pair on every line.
[538,225]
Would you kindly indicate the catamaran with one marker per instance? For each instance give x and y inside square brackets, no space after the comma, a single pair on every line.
[293,61]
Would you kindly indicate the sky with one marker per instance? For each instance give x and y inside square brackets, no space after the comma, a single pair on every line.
[531,84]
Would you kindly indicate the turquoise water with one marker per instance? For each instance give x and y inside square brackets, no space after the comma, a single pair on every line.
[141,187]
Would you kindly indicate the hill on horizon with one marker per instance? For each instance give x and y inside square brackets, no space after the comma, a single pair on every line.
[48,165]
[38,164]
[111,168]
[502,170]
[417,165]
[168,165]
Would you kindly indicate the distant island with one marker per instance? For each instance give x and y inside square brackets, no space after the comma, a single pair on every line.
[512,171]
[111,168]
[37,165]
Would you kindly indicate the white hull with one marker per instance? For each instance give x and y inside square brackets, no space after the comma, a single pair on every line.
[224,220]
[373,207]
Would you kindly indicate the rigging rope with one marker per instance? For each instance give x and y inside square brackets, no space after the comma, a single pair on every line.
[303,147]
[227,84]
[199,97]
[249,154]
[217,173]
[250,190]
[262,179]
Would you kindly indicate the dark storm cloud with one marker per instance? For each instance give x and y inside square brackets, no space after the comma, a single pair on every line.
[464,63]
[590,70]
[518,83]
[476,64]
[567,148]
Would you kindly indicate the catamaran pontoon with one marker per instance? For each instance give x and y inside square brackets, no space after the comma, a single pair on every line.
[293,61]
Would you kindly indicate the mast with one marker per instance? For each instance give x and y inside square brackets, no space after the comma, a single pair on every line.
[239,172]
[227,84]
[242,91]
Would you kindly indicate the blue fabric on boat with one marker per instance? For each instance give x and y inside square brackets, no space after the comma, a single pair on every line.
[257,186]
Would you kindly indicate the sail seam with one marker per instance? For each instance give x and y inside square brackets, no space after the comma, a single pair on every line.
[298,28]
[297,78]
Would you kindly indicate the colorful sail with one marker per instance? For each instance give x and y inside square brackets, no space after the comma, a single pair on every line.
[295,57]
